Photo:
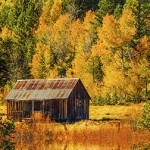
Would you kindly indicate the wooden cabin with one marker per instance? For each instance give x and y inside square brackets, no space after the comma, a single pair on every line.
[63,99]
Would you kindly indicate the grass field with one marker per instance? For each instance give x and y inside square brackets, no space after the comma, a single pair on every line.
[101,134]
[131,112]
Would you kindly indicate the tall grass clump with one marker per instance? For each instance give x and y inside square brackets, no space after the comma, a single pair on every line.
[97,132]
[144,121]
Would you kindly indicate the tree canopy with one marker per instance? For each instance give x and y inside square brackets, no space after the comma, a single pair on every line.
[106,43]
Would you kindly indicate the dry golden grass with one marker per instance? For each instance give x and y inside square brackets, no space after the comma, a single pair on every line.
[80,135]
[85,135]
[131,112]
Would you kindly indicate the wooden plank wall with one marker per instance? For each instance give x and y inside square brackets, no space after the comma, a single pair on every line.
[57,109]
[9,109]
[15,110]
[78,103]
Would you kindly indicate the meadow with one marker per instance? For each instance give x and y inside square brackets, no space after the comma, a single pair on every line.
[108,127]
[108,112]
[113,112]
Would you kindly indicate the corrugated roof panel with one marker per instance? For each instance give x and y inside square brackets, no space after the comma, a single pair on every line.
[26,85]
[39,84]
[17,85]
[70,85]
[55,85]
[63,84]
[42,85]
[66,84]
[34,85]
[66,94]
[20,85]
[59,94]
[60,84]
[15,94]
[47,84]
[62,93]
[41,89]
[29,85]
[18,95]
[27,95]
[51,84]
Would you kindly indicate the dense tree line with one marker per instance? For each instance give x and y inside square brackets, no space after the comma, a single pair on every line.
[104,42]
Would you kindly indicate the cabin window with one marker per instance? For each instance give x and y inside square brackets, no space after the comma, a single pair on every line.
[37,106]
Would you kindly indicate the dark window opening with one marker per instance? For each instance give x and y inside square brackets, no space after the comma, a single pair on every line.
[37,106]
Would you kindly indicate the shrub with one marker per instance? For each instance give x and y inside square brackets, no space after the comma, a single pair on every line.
[6,128]
[107,99]
[144,121]
[97,101]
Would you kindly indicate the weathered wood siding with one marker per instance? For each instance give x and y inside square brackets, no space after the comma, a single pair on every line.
[56,109]
[76,106]
[14,110]
[78,103]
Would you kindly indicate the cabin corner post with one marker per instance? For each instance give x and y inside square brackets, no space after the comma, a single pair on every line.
[22,109]
[88,102]
[43,108]
[32,116]
[7,108]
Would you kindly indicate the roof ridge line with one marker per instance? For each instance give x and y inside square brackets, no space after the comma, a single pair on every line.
[47,79]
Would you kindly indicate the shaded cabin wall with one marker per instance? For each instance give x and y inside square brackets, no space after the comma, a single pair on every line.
[78,103]
[56,109]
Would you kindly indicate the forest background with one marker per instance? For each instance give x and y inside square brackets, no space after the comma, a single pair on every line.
[105,43]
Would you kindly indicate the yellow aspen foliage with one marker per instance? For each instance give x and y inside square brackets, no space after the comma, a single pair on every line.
[79,63]
[114,78]
[74,34]
[61,26]
[81,34]
[53,73]
[127,25]
[59,32]
[3,93]
[44,23]
[55,10]
[108,33]
[88,30]
[41,61]
[6,33]
[47,19]
[100,50]
[88,20]
[140,73]
[143,49]
[115,33]
[135,84]
[5,3]
[78,70]
[112,48]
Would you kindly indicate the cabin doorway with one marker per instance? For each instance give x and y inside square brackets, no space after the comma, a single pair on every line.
[27,109]
[38,110]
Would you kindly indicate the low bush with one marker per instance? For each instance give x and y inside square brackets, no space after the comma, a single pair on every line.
[144,121]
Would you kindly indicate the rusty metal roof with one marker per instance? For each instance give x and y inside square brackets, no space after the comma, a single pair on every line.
[42,89]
